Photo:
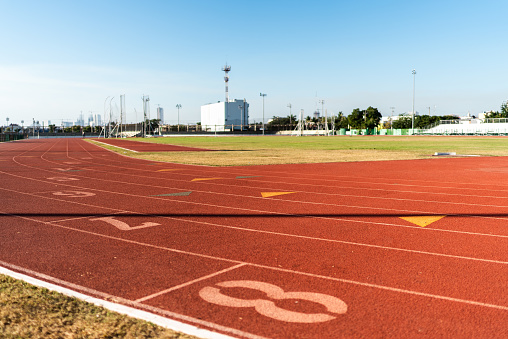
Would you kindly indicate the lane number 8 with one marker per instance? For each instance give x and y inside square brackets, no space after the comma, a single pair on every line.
[268,307]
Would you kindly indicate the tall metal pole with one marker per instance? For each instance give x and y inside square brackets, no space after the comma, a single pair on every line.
[110,117]
[289,105]
[263,95]
[226,70]
[322,101]
[178,106]
[413,115]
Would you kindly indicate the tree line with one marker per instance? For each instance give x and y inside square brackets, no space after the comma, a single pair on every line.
[358,119]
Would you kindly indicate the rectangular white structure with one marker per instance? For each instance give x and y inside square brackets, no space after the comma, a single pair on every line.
[160,115]
[220,117]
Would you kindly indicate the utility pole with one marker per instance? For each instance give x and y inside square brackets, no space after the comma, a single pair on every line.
[413,115]
[289,105]
[391,118]
[178,106]
[263,95]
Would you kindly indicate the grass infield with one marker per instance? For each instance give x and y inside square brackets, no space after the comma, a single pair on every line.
[27,311]
[270,150]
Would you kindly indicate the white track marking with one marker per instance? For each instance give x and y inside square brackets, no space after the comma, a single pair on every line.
[104,143]
[286,214]
[123,226]
[315,193]
[124,306]
[311,177]
[174,288]
[282,234]
[268,308]
[353,282]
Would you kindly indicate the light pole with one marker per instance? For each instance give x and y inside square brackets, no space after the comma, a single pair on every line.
[413,115]
[289,105]
[263,95]
[110,117]
[178,106]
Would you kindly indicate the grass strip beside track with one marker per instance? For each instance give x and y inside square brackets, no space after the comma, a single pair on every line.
[269,150]
[28,311]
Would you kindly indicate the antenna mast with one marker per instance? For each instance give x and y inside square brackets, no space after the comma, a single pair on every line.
[226,70]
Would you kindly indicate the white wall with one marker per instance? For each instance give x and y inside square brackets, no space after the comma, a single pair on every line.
[213,116]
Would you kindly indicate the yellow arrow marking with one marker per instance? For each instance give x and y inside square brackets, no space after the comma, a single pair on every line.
[202,179]
[273,194]
[423,220]
[167,169]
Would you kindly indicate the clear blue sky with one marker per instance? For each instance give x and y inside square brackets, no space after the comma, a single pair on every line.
[58,58]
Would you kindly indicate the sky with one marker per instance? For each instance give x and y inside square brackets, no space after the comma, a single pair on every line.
[59,59]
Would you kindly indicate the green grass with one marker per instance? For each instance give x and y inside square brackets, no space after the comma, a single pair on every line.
[28,311]
[258,150]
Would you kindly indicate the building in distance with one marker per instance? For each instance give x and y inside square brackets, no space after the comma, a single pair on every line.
[222,116]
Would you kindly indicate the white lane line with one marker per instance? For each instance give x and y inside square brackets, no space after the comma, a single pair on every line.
[264,211]
[174,288]
[55,284]
[393,289]
[314,203]
[296,201]
[126,149]
[277,233]
[353,282]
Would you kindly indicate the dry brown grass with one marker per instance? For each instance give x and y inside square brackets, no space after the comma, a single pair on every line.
[27,311]
[274,157]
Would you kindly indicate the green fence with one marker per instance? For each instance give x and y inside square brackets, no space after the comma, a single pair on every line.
[11,136]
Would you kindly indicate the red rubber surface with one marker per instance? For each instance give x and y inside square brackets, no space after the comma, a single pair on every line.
[217,254]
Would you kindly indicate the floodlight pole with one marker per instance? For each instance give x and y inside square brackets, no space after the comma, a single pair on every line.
[263,95]
[289,105]
[413,113]
[110,118]
[178,106]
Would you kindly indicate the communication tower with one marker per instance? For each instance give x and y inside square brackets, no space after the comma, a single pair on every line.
[226,70]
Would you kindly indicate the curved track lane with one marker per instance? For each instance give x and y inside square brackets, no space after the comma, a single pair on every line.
[370,249]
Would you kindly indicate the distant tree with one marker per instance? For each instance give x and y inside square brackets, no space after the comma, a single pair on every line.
[403,122]
[504,110]
[76,128]
[355,119]
[449,117]
[87,129]
[372,117]
[341,121]
[422,121]
[283,120]
[51,128]
[387,124]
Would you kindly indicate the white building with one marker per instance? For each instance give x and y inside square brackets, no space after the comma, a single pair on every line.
[221,117]
[160,114]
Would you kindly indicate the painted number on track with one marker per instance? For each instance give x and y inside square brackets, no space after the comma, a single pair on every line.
[123,226]
[74,194]
[62,179]
[268,308]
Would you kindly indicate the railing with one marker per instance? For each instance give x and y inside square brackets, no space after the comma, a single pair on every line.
[494,120]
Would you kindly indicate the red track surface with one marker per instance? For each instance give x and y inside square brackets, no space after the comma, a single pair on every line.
[333,258]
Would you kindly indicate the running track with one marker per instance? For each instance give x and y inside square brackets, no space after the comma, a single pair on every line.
[367,249]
